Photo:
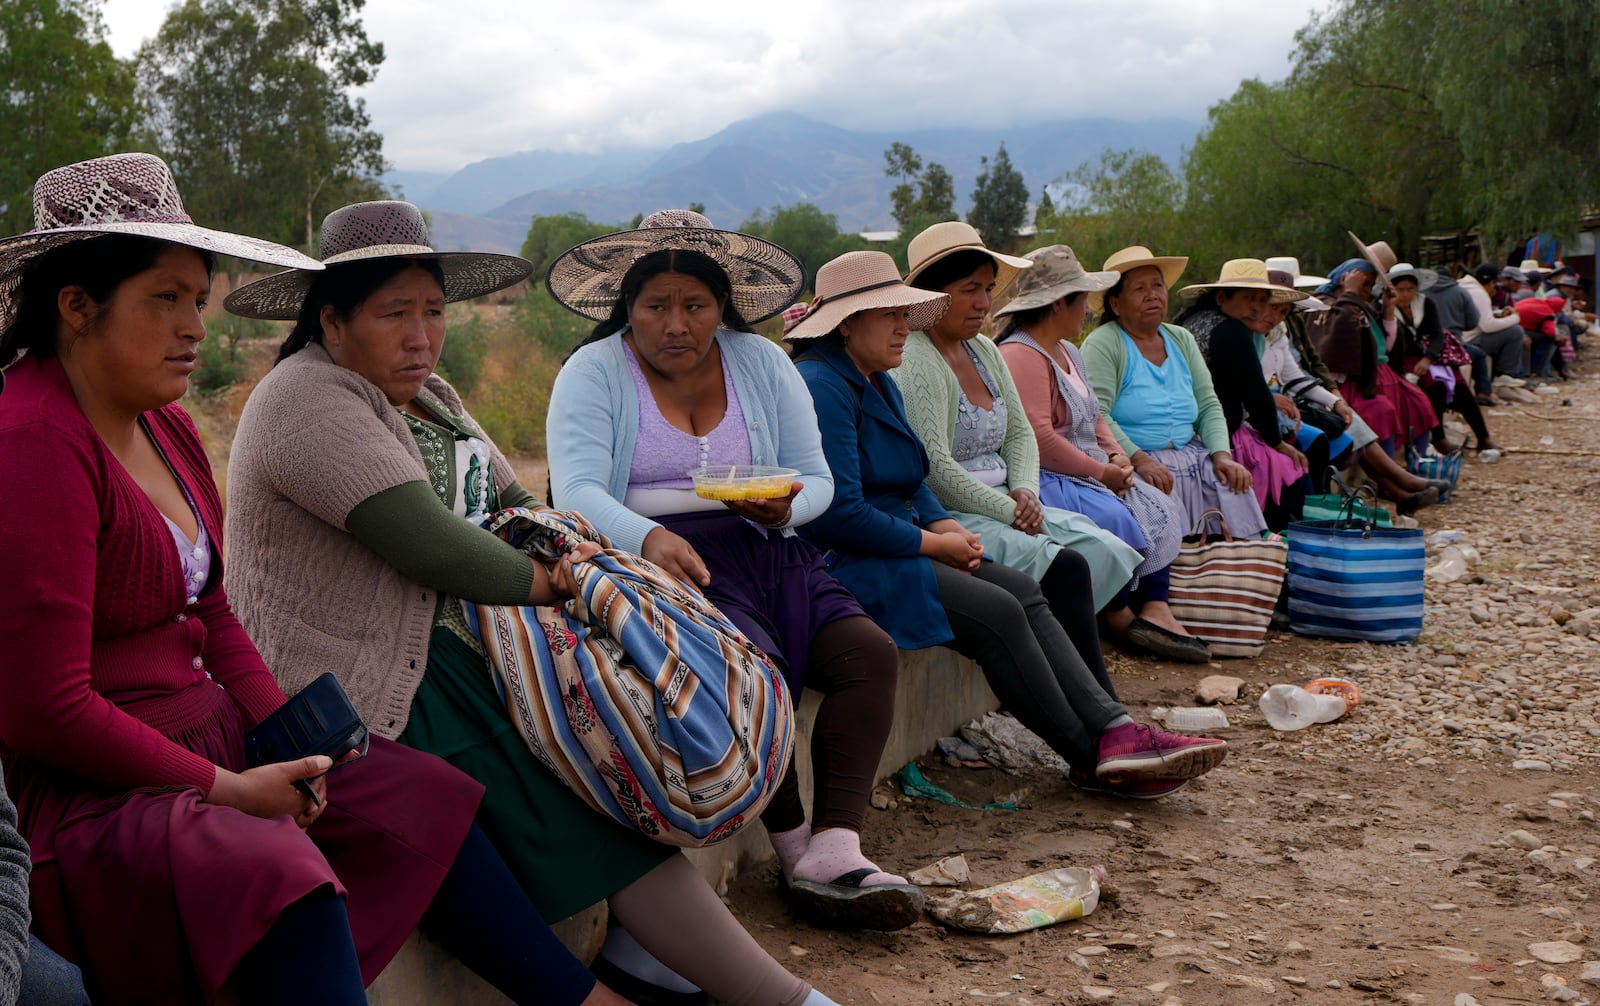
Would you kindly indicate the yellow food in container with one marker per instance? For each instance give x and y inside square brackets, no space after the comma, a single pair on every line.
[742,482]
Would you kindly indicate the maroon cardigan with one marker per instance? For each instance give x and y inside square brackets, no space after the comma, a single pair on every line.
[94,614]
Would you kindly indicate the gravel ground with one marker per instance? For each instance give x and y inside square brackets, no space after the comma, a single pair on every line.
[1438,845]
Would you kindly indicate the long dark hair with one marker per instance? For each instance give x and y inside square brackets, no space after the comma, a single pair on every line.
[1022,321]
[98,265]
[1107,312]
[658,263]
[346,287]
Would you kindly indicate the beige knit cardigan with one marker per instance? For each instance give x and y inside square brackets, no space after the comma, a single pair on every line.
[314,441]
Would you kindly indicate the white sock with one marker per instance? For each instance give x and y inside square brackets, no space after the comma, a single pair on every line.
[835,852]
[1119,721]
[790,846]
[817,999]
[625,952]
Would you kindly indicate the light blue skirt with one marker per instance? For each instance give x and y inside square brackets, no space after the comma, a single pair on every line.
[1111,560]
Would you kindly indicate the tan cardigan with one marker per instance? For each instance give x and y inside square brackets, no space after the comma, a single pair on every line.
[315,440]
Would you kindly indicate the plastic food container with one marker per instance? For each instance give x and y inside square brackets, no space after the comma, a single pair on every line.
[742,482]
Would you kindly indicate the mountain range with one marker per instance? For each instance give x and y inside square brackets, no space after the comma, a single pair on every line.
[755,164]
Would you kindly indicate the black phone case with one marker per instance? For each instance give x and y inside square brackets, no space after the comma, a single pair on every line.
[320,720]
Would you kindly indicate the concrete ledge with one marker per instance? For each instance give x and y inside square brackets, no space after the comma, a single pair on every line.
[938,691]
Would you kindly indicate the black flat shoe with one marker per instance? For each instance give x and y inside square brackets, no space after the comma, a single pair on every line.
[1416,501]
[845,904]
[1167,644]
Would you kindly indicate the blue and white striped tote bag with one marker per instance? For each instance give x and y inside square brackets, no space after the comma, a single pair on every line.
[1349,579]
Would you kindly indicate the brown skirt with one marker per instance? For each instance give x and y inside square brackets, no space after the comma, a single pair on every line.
[157,896]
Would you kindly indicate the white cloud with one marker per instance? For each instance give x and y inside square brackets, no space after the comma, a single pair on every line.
[468,79]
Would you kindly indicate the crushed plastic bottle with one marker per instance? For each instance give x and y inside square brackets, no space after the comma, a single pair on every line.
[1446,537]
[1489,455]
[1452,565]
[1290,707]
[1184,718]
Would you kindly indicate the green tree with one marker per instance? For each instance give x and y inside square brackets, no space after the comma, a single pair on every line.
[549,236]
[926,193]
[63,96]
[999,202]
[812,235]
[250,100]
[1127,197]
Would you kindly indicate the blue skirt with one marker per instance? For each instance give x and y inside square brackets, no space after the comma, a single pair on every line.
[1099,505]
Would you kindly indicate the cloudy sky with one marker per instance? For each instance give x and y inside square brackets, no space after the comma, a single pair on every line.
[468,79]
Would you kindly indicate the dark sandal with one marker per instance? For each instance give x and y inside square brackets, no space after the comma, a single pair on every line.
[845,904]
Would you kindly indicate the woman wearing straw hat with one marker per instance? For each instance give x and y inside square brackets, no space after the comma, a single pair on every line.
[1420,344]
[128,685]
[1081,465]
[985,462]
[921,574]
[1157,396]
[1353,339]
[1227,321]
[672,379]
[355,485]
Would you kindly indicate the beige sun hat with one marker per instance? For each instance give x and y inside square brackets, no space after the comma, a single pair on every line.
[1135,256]
[864,281]
[1424,278]
[945,239]
[1056,273]
[587,278]
[120,194]
[1246,274]
[384,228]
[1378,253]
[1291,265]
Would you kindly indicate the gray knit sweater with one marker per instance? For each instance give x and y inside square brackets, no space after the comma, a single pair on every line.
[316,440]
[14,918]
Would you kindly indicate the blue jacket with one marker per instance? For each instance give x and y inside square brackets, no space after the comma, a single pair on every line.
[593,427]
[881,501]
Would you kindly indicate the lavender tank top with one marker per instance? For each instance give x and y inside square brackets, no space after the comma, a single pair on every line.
[665,455]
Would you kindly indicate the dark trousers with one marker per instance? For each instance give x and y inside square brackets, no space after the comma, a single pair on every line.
[1000,618]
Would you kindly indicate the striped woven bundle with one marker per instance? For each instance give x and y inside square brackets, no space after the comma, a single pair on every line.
[638,694]
[1351,580]
[1225,588]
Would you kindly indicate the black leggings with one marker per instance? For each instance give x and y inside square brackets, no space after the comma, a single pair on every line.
[1067,590]
[1000,619]
[855,665]
[479,914]
[1464,402]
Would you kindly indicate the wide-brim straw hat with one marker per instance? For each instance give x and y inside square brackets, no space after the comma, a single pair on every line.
[1378,253]
[864,281]
[1291,265]
[943,240]
[1283,277]
[361,232]
[120,194]
[1424,278]
[765,277]
[1246,274]
[1532,265]
[1133,257]
[1056,273]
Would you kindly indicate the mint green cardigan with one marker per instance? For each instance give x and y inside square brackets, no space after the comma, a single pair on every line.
[933,399]
[1105,357]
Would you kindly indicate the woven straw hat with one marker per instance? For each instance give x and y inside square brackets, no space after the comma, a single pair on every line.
[1291,265]
[1424,278]
[386,228]
[1056,272]
[864,281]
[587,278]
[1246,274]
[1378,253]
[946,239]
[1283,277]
[120,194]
[1137,256]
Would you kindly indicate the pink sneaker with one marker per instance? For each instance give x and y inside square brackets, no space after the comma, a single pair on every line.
[1137,751]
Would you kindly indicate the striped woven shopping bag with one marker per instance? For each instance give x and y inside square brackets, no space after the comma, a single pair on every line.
[1351,579]
[638,694]
[1224,588]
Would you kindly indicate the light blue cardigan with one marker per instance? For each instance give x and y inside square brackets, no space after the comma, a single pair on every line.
[592,431]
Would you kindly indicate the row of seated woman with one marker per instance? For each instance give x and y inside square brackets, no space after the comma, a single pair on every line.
[357,488]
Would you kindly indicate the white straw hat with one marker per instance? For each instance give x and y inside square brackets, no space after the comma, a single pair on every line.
[863,281]
[1291,265]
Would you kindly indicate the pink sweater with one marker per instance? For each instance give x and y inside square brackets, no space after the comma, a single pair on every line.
[1050,416]
[95,616]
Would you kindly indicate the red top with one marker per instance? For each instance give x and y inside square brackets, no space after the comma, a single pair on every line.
[1536,315]
[94,615]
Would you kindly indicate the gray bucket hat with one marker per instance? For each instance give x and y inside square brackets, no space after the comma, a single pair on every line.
[1056,272]
[385,228]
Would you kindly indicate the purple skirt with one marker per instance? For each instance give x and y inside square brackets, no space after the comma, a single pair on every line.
[773,588]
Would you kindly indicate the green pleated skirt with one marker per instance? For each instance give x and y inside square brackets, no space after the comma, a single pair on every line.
[566,855]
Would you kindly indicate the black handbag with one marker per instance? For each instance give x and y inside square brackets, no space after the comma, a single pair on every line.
[1320,416]
[320,720]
